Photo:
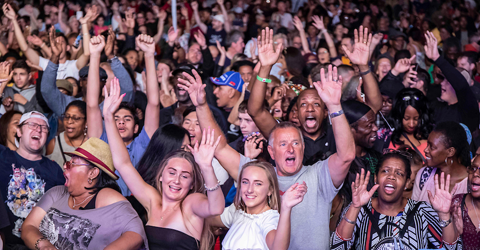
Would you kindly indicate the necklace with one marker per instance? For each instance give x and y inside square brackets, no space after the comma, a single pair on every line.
[165,213]
[474,208]
[72,142]
[76,205]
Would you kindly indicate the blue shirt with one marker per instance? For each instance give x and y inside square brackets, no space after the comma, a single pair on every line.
[135,149]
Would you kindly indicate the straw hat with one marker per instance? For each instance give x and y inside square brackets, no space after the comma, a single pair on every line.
[96,152]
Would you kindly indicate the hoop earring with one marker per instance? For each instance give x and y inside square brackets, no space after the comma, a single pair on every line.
[90,180]
[446,161]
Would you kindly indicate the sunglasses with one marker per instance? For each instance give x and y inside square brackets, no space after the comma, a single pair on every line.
[69,164]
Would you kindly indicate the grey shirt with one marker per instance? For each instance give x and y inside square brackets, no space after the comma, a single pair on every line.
[67,228]
[310,219]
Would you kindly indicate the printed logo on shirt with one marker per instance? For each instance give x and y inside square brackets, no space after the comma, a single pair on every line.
[66,231]
[24,191]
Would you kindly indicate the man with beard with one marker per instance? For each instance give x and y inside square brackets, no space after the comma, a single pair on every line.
[25,175]
[174,113]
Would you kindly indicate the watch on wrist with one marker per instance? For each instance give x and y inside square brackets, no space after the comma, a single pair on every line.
[335,114]
[445,223]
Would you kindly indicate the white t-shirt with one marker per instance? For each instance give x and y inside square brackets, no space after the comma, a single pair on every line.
[67,69]
[247,231]
[286,20]
[220,172]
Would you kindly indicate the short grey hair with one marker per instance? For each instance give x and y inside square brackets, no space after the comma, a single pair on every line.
[283,125]
[233,37]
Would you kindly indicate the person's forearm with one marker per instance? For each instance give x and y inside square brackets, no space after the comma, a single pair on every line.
[30,235]
[152,112]
[221,61]
[86,39]
[65,28]
[208,63]
[33,21]
[47,50]
[257,95]
[216,200]
[373,96]
[345,144]
[449,234]
[55,100]
[3,49]
[187,26]
[227,24]
[95,126]
[202,26]
[159,34]
[331,45]
[233,117]
[282,236]
[124,79]
[303,37]
[345,229]
[19,35]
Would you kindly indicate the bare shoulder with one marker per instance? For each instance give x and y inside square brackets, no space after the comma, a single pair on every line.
[108,196]
[193,199]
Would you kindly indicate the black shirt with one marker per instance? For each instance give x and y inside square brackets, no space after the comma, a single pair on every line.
[320,148]
[213,36]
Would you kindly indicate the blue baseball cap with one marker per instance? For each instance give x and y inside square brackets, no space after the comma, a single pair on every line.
[231,79]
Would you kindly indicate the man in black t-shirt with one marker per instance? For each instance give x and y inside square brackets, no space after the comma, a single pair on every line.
[25,175]
[220,25]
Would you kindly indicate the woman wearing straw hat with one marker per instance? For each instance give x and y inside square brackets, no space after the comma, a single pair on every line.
[88,212]
[178,207]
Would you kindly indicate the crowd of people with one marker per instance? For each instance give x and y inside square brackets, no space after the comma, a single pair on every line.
[240,124]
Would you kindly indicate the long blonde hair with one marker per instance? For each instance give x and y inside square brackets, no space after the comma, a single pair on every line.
[274,199]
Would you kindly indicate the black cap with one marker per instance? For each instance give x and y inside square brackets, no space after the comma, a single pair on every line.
[84,73]
[395,33]
[184,68]
[390,88]
[354,110]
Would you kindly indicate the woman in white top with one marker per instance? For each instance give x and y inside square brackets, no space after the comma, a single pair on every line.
[258,219]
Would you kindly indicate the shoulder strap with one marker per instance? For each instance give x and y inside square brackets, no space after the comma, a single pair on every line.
[374,223]
[61,148]
[463,203]
[414,147]
[409,220]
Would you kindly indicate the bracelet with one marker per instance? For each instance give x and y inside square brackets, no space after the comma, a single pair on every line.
[38,241]
[43,44]
[349,221]
[212,189]
[338,113]
[365,73]
[264,79]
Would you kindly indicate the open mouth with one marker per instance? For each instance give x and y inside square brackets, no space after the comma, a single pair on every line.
[66,179]
[35,137]
[174,189]
[250,197]
[310,122]
[389,189]
[290,160]
[69,130]
[475,187]
[373,138]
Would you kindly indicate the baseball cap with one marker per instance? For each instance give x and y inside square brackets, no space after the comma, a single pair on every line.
[188,68]
[219,18]
[33,114]
[84,73]
[65,84]
[231,79]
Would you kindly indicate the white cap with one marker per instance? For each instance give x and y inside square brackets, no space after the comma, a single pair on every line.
[33,114]
[219,18]
[238,10]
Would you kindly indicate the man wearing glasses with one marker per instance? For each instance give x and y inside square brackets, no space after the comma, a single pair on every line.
[25,175]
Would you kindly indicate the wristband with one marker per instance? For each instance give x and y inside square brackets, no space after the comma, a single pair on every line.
[264,79]
[212,189]
[349,221]
[43,44]
[365,72]
[338,113]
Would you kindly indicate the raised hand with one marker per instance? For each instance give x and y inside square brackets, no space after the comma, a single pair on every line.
[409,79]
[35,40]
[361,48]
[431,49]
[194,87]
[129,18]
[91,13]
[146,44]
[184,12]
[97,43]
[194,5]
[61,6]
[200,38]
[5,74]
[113,99]
[403,65]
[221,49]
[162,15]
[9,12]
[56,47]
[204,152]
[110,42]
[329,87]
[298,24]
[172,35]
[253,146]
[442,200]
[318,23]
[266,54]
[294,195]
[376,39]
[220,2]
[360,195]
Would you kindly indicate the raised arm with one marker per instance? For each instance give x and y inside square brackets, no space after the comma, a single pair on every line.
[280,239]
[227,156]
[35,40]
[161,15]
[318,23]
[66,29]
[31,54]
[268,57]
[301,30]
[330,90]
[215,203]
[152,112]
[227,25]
[85,21]
[95,126]
[360,57]
[202,26]
[144,193]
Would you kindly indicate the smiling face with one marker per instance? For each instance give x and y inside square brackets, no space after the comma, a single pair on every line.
[384,65]
[126,124]
[392,178]
[74,122]
[182,95]
[311,111]
[436,151]
[177,179]
[190,123]
[132,59]
[255,189]
[32,140]
[286,148]
[365,133]
[410,120]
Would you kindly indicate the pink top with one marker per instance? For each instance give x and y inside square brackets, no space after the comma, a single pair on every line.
[98,30]
[420,147]
[422,194]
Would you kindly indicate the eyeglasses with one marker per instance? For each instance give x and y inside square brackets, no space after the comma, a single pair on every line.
[402,153]
[70,164]
[67,118]
[472,169]
[35,126]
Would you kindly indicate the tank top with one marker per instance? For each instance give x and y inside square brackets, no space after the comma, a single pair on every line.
[160,238]
[57,152]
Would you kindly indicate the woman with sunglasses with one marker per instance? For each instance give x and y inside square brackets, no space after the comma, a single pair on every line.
[465,209]
[75,133]
[391,221]
[88,212]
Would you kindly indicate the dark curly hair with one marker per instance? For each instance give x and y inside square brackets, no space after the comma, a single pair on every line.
[455,136]
[415,98]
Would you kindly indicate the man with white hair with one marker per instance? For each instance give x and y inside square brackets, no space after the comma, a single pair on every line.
[25,175]
[220,25]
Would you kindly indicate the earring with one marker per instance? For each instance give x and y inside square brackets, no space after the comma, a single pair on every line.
[90,180]
[446,161]
[85,131]
[268,199]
